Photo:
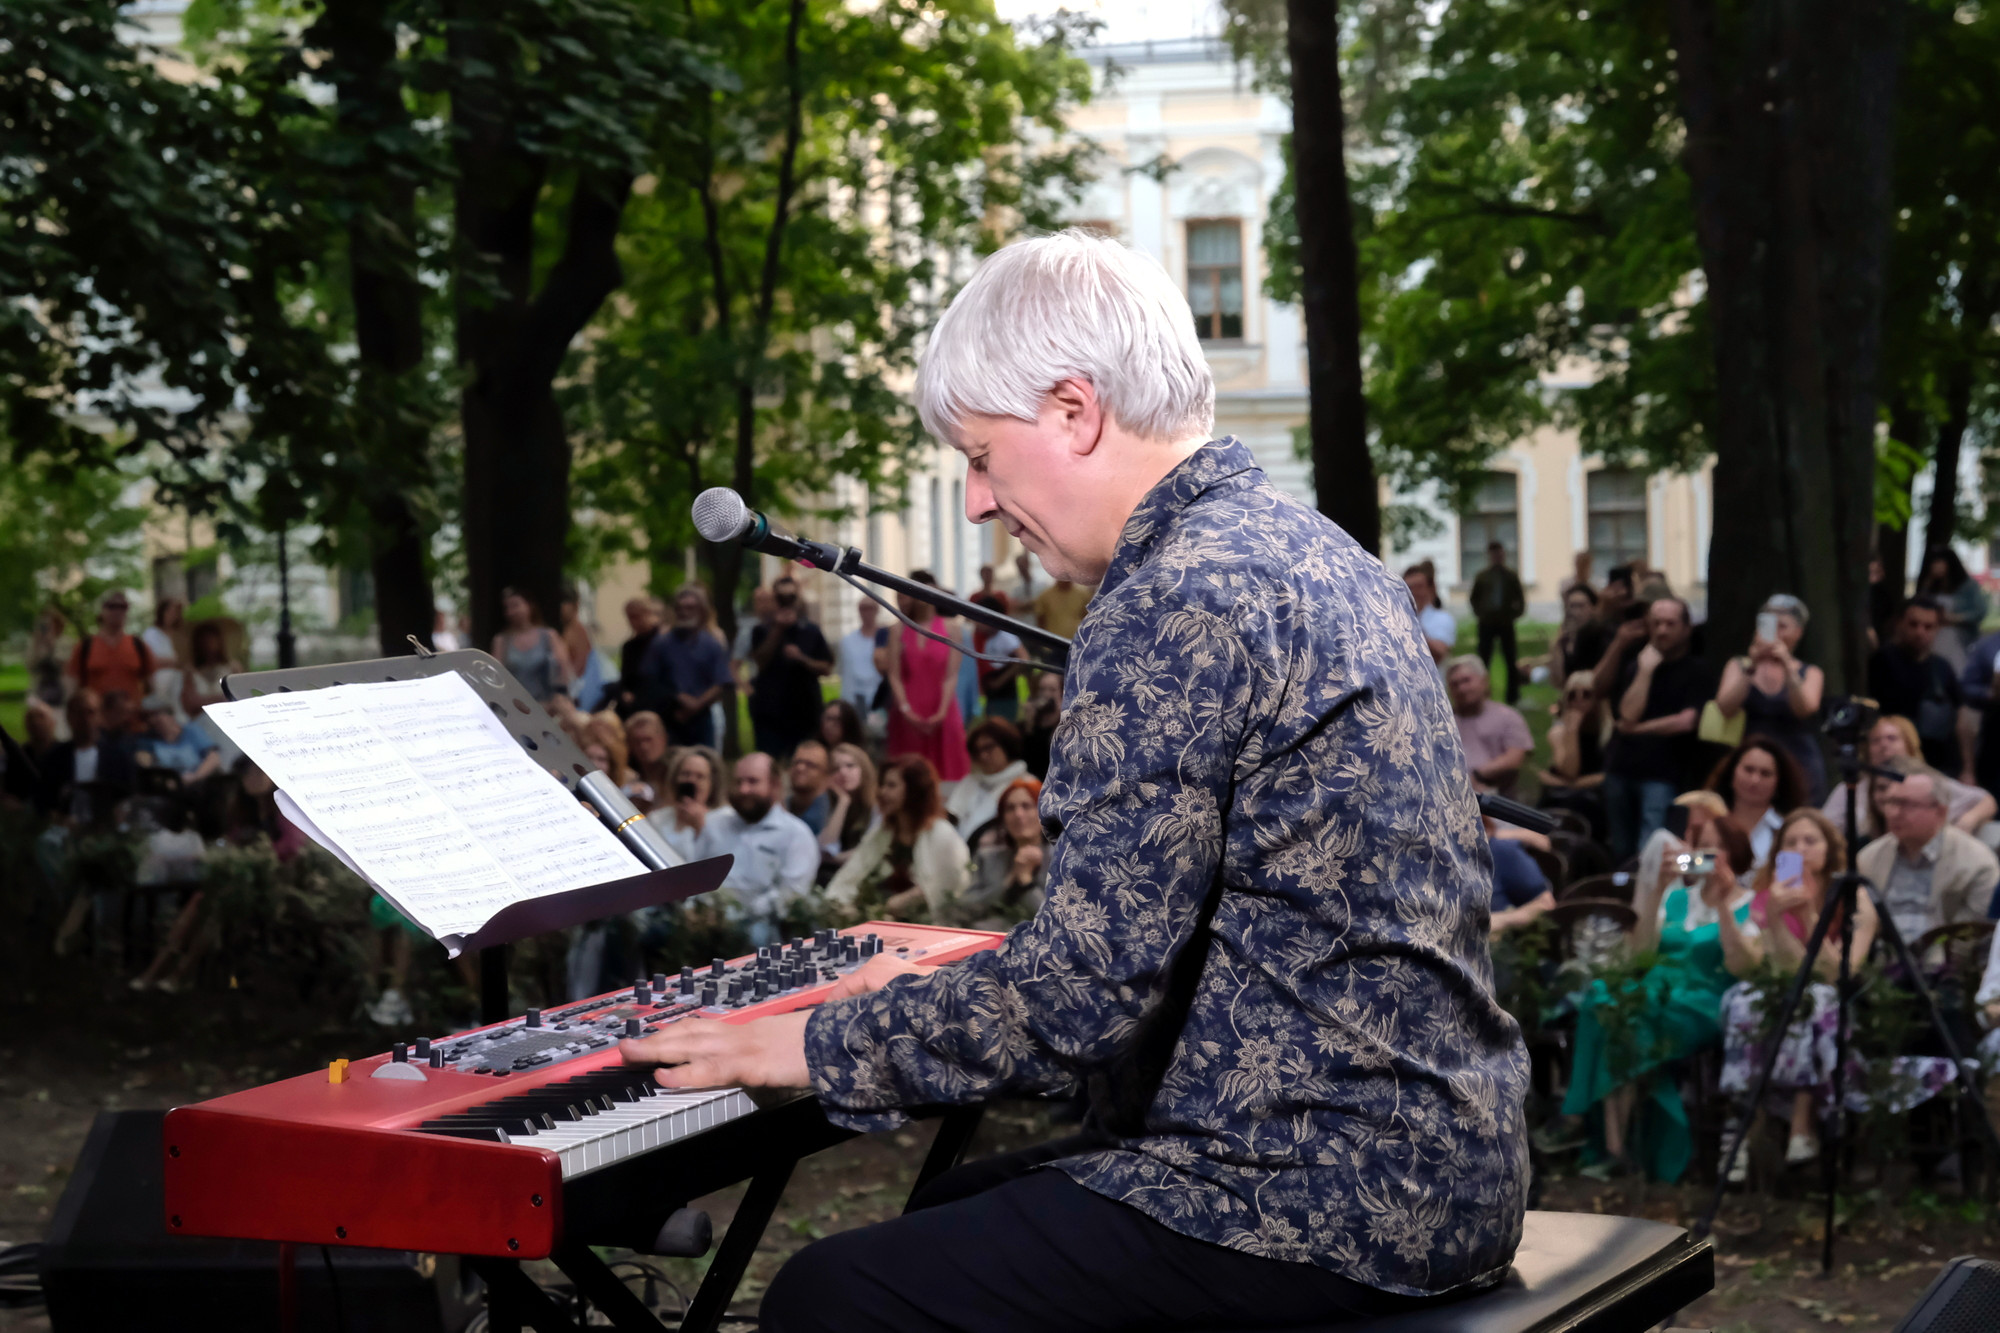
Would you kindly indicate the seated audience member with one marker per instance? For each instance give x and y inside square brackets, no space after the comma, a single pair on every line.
[1782,915]
[1009,874]
[606,730]
[184,751]
[1927,872]
[123,721]
[1896,738]
[854,814]
[840,724]
[1439,627]
[1760,784]
[1495,736]
[86,773]
[1579,609]
[1777,695]
[776,855]
[38,720]
[1909,679]
[1986,1002]
[1044,712]
[1671,1011]
[808,792]
[995,747]
[208,663]
[646,751]
[1521,892]
[690,790]
[1580,722]
[913,865]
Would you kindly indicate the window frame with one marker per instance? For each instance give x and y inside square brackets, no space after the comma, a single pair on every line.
[1620,517]
[1214,272]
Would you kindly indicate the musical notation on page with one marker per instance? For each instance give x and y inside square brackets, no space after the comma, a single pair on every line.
[416,786]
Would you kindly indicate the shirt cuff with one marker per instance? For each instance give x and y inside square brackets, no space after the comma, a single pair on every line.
[848,1072]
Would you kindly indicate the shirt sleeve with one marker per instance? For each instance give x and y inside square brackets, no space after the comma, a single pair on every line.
[1517,734]
[1142,772]
[718,663]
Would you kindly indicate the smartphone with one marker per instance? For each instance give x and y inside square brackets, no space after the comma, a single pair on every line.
[685,791]
[1767,626]
[1790,868]
[1695,865]
[1677,821]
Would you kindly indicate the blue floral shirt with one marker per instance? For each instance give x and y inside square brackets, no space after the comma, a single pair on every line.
[1250,711]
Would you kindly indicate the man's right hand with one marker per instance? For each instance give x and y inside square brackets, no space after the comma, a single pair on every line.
[1630,632]
[1650,658]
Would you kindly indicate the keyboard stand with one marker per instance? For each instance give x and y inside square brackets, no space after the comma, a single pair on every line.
[624,1207]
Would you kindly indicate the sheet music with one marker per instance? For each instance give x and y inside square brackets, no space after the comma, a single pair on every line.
[418,787]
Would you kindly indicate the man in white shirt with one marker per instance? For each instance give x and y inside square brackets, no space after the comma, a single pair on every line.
[776,854]
[855,661]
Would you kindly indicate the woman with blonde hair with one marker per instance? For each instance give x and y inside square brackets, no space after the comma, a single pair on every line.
[1894,737]
[853,816]
[914,865]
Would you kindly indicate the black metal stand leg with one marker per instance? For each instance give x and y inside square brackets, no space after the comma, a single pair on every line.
[493,984]
[732,1257]
[954,1136]
[601,1287]
[513,1300]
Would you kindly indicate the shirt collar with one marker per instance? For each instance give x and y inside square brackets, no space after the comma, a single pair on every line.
[1928,855]
[1205,468]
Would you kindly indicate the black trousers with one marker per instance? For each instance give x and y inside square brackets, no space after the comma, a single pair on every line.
[996,1245]
[1502,632]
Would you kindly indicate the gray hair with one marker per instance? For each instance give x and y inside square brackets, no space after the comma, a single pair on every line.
[1470,661]
[1917,768]
[1784,604]
[1074,305]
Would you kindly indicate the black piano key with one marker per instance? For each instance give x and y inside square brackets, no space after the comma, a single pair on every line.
[518,1125]
[488,1133]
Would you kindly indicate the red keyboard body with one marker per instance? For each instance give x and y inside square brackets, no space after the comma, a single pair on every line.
[479,1143]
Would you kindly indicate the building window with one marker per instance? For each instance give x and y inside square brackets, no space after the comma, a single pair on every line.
[1215,278]
[1494,515]
[173,576]
[1617,517]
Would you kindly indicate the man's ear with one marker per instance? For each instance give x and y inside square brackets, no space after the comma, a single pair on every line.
[1079,414]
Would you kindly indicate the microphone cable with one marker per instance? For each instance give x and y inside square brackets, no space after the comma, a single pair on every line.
[1033,664]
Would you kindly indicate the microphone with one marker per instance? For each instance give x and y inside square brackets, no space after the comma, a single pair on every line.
[721,516]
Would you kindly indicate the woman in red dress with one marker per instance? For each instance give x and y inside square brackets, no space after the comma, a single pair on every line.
[923,716]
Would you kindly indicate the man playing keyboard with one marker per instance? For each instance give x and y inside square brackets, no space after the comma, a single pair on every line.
[1263,951]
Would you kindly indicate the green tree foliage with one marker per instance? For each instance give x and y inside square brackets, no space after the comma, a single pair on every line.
[796,234]
[67,536]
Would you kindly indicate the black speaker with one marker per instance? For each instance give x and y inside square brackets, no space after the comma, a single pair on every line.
[110,1263]
[1964,1298]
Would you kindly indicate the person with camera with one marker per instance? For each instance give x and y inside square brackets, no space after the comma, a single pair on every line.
[1774,693]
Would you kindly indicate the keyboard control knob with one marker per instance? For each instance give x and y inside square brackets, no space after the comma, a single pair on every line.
[400,1053]
[631,1027]
[659,983]
[850,950]
[707,993]
[642,994]
[437,1059]
[687,980]
[423,1051]
[534,1018]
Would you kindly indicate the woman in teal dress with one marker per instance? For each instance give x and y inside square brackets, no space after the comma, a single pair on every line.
[1671,1010]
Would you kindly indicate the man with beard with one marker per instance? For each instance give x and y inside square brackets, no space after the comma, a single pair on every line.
[686,669]
[776,854]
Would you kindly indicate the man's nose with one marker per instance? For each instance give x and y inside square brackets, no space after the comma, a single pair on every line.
[979,505]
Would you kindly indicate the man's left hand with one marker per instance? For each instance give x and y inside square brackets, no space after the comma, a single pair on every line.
[704,1053]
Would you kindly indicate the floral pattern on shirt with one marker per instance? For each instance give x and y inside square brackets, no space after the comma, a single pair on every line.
[1345,1089]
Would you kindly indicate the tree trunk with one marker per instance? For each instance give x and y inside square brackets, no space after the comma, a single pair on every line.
[1944,474]
[1788,118]
[512,338]
[388,322]
[1343,471]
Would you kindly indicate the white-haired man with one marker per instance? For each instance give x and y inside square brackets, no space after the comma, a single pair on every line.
[1263,947]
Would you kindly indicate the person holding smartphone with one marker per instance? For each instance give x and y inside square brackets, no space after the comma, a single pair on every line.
[1778,695]
[694,787]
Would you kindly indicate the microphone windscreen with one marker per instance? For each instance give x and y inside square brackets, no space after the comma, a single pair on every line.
[720,514]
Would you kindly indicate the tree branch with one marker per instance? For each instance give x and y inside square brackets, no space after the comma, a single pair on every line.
[587,273]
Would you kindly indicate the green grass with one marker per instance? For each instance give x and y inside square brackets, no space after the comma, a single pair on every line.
[13,696]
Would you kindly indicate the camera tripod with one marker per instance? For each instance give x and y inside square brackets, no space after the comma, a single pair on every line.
[1841,902]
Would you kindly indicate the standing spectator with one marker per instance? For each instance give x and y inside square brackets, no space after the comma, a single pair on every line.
[1579,609]
[1658,697]
[1761,784]
[1497,602]
[1439,628]
[85,774]
[1009,862]
[1893,738]
[1615,607]
[840,724]
[45,662]
[111,659]
[1044,713]
[1961,601]
[924,717]
[777,856]
[995,747]
[642,617]
[529,649]
[1060,606]
[860,681]
[1029,586]
[809,792]
[1930,874]
[853,813]
[585,669]
[1976,682]
[208,664]
[1495,737]
[961,634]
[166,638]
[647,750]
[1000,685]
[763,611]
[689,669]
[791,655]
[989,587]
[1778,693]
[691,789]
[1579,573]
[444,638]
[914,864]
[1885,601]
[1910,680]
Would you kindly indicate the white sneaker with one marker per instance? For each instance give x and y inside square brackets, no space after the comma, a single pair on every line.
[1739,1169]
[1801,1149]
[392,1010]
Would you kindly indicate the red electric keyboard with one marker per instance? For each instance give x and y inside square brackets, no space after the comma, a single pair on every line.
[521,1138]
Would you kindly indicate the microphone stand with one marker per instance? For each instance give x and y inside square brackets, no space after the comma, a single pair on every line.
[1847,887]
